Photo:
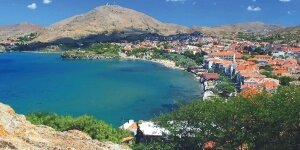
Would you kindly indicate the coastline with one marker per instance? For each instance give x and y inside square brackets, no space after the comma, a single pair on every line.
[164,62]
[42,52]
[167,63]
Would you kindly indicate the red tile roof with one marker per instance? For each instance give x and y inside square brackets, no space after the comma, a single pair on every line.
[227,53]
[211,76]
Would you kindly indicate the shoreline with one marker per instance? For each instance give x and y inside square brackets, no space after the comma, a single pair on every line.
[164,62]
[167,63]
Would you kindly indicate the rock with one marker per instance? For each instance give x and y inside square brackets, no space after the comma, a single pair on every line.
[18,133]
[2,49]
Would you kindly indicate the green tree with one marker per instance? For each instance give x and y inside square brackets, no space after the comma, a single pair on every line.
[285,81]
[261,122]
[266,68]
[225,88]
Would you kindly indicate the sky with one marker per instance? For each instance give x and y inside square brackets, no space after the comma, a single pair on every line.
[183,12]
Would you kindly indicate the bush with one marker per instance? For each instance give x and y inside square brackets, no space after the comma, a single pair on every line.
[95,128]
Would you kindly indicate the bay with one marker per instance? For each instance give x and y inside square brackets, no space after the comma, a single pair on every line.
[110,90]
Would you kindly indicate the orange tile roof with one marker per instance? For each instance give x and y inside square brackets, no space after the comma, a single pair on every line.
[246,66]
[211,76]
[270,85]
[280,71]
[251,74]
[249,92]
[262,57]
[226,53]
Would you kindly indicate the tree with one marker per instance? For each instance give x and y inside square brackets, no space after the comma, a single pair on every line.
[246,57]
[225,88]
[263,121]
[285,81]
[266,68]
[198,57]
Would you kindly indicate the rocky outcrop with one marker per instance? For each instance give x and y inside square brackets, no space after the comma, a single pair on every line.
[2,49]
[16,133]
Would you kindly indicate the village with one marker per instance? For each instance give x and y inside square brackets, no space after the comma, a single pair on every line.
[229,68]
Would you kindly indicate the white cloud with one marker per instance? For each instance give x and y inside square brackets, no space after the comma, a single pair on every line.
[284,0]
[175,0]
[253,8]
[32,6]
[47,1]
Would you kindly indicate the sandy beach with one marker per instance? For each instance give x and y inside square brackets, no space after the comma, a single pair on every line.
[164,62]
[167,63]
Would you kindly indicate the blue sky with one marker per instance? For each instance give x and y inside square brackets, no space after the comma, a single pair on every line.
[184,12]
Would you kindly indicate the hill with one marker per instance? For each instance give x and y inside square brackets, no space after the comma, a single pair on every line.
[247,27]
[113,23]
[18,30]
[107,20]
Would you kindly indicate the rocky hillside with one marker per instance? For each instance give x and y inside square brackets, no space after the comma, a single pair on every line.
[17,133]
[258,27]
[106,20]
[248,27]
[289,30]
[288,35]
[18,30]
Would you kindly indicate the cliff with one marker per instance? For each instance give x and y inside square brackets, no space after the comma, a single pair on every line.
[18,133]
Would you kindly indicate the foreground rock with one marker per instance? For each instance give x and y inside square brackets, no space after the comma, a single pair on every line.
[18,133]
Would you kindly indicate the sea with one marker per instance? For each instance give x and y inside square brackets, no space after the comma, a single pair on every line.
[111,90]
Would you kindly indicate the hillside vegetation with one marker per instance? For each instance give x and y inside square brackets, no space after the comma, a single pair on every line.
[263,121]
[97,129]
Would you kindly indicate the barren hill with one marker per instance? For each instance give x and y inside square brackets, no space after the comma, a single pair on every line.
[250,27]
[292,30]
[106,20]
[18,30]
[116,22]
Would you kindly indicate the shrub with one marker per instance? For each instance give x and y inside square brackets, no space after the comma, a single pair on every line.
[97,129]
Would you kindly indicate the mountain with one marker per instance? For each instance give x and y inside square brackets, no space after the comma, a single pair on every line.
[249,27]
[17,133]
[258,27]
[106,20]
[291,30]
[289,35]
[18,30]
[113,22]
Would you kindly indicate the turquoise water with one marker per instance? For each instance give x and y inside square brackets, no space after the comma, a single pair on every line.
[111,90]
